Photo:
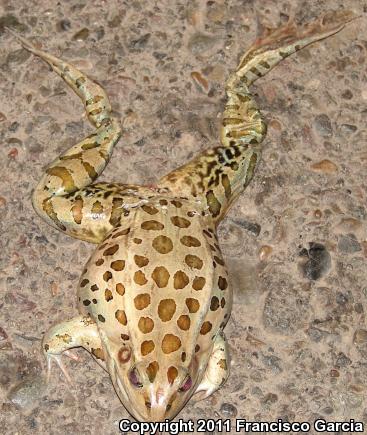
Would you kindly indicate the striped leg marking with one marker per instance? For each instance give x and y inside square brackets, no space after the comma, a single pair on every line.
[62,196]
[219,175]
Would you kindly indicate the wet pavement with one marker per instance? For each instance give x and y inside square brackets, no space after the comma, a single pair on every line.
[295,242]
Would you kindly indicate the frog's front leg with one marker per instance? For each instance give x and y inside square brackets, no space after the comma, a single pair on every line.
[217,370]
[81,331]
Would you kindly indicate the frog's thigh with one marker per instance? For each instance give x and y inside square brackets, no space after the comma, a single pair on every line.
[88,214]
[217,370]
[81,331]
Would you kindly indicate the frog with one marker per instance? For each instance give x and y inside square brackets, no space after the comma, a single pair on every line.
[155,296]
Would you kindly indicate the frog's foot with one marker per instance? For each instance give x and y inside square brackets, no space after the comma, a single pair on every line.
[276,44]
[78,332]
[58,360]
[217,370]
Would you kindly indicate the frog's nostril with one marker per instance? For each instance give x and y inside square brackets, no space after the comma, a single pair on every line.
[148,405]
[168,407]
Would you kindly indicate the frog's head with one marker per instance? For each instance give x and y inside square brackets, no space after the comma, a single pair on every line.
[149,390]
[152,396]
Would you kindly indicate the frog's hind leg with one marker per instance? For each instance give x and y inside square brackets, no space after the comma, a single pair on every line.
[63,193]
[219,175]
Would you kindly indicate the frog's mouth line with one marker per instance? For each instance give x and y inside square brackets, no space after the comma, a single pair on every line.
[117,385]
[120,388]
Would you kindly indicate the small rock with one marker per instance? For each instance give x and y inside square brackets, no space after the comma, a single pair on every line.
[18,56]
[348,128]
[6,345]
[200,43]
[54,288]
[3,334]
[316,334]
[360,336]
[26,393]
[216,12]
[200,80]
[341,298]
[358,308]
[159,55]
[323,126]
[347,94]
[115,22]
[140,142]
[265,252]
[275,125]
[2,117]
[342,360]
[256,376]
[319,261]
[254,341]
[239,385]
[12,22]
[2,201]
[358,388]
[228,410]
[100,32]
[273,363]
[364,247]
[252,227]
[349,224]
[270,398]
[328,410]
[82,35]
[326,166]
[63,25]
[137,44]
[14,126]
[13,153]
[318,214]
[15,141]
[349,244]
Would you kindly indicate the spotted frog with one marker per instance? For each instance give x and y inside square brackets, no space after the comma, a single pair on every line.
[154,297]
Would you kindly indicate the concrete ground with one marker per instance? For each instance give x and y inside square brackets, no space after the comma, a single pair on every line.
[295,242]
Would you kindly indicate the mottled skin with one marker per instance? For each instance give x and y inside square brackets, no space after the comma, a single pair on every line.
[154,297]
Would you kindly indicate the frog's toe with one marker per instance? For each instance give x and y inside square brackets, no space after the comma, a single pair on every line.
[70,354]
[203,394]
[58,360]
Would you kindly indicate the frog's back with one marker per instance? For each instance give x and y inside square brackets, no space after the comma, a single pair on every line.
[158,282]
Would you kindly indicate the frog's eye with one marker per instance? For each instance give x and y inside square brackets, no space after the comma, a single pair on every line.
[186,385]
[134,378]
